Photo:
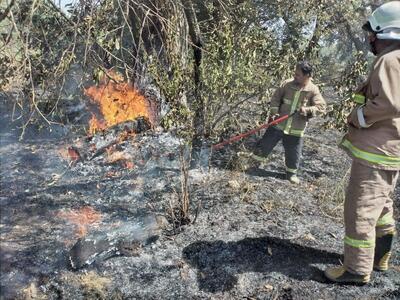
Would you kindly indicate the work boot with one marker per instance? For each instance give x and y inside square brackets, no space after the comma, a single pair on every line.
[340,275]
[383,246]
[293,178]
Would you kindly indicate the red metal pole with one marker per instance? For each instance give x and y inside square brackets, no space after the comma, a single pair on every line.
[243,135]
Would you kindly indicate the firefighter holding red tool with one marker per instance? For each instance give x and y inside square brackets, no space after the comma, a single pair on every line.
[299,95]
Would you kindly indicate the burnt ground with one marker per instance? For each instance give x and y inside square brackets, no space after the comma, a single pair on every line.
[255,235]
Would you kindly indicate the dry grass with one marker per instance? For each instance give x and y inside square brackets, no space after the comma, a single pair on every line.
[179,211]
[241,186]
[95,286]
[244,160]
[270,205]
[92,285]
[31,292]
[330,196]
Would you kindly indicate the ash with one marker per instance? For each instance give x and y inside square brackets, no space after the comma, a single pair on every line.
[93,218]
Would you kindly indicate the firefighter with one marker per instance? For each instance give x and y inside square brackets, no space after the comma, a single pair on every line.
[373,143]
[298,94]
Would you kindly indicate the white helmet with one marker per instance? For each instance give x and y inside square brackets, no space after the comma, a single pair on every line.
[385,21]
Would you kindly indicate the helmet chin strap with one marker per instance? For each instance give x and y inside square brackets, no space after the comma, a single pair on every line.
[372,47]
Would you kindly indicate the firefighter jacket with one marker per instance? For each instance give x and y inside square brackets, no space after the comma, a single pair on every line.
[373,136]
[288,98]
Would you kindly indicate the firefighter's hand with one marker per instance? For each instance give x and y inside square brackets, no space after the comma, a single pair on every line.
[273,117]
[352,119]
[303,111]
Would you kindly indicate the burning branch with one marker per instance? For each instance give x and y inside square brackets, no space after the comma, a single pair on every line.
[128,128]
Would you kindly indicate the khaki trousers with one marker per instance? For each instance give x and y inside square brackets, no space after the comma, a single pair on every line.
[368,213]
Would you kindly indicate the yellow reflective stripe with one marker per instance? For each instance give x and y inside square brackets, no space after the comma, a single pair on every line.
[296,132]
[291,170]
[274,110]
[359,243]
[292,109]
[390,231]
[358,98]
[385,220]
[281,126]
[371,157]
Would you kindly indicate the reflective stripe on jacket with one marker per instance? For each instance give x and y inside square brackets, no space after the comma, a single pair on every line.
[289,98]
[375,140]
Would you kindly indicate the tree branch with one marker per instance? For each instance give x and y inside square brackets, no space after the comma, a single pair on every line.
[4,14]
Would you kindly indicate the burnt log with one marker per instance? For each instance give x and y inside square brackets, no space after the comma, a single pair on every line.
[138,125]
[126,239]
[113,134]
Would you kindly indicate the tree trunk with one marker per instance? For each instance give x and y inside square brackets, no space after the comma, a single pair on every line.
[313,43]
[160,32]
[358,44]
[197,46]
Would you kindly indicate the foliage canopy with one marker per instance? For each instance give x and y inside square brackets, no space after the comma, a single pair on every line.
[215,62]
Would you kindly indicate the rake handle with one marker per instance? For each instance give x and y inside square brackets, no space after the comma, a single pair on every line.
[243,135]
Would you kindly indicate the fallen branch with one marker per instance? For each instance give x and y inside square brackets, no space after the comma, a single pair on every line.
[136,126]
[5,13]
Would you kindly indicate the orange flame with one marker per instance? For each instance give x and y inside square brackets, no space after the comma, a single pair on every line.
[82,218]
[118,102]
[96,125]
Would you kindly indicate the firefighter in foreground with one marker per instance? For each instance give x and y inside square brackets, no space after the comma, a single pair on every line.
[373,142]
[301,95]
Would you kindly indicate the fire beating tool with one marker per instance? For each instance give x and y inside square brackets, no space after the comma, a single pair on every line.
[203,157]
[246,134]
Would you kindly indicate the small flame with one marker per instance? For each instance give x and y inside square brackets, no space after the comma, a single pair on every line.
[118,102]
[82,218]
[96,125]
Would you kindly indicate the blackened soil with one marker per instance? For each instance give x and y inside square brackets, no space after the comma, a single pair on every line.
[255,235]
